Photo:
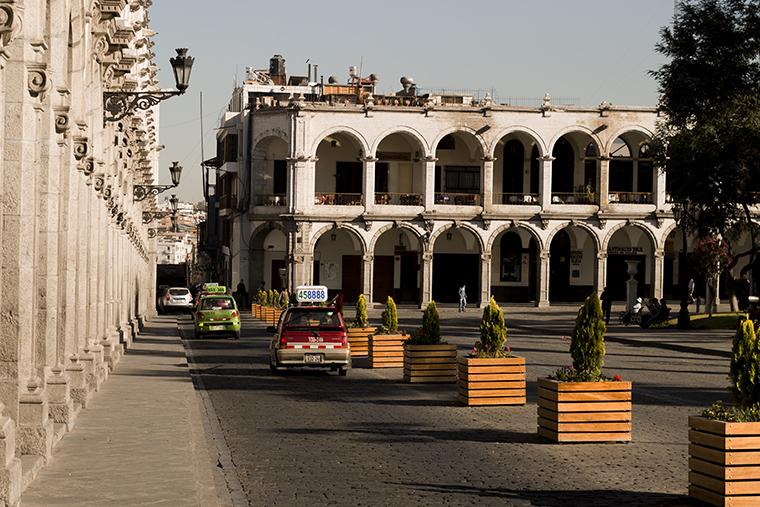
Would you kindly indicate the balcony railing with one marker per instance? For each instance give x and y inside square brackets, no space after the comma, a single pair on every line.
[457,199]
[515,199]
[632,197]
[573,198]
[270,200]
[396,199]
[338,199]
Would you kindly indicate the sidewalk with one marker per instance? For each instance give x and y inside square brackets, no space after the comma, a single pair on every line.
[141,441]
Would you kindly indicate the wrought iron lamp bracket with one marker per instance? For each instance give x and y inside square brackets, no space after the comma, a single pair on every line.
[117,105]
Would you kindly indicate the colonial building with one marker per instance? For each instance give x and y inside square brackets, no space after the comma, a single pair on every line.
[77,265]
[413,195]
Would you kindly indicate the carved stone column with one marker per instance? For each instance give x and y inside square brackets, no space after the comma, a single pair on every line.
[543,280]
[658,273]
[427,277]
[60,403]
[429,184]
[487,190]
[545,181]
[601,272]
[303,174]
[79,390]
[603,184]
[35,428]
[369,184]
[485,279]
[10,465]
[368,263]
[660,195]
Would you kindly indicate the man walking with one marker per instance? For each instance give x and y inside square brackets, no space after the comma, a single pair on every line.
[606,305]
[462,298]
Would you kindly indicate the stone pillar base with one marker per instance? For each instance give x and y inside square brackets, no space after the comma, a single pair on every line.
[10,465]
[60,404]
[80,391]
[95,369]
[542,304]
[112,352]
[125,335]
[35,428]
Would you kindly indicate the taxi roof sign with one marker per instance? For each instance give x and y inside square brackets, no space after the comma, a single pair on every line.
[311,294]
[216,289]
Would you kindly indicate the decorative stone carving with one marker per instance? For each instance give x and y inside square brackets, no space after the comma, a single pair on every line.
[546,106]
[81,148]
[62,121]
[37,81]
[87,166]
[99,181]
[9,24]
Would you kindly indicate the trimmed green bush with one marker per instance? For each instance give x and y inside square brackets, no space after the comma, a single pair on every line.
[360,320]
[745,365]
[493,333]
[284,299]
[270,298]
[430,332]
[587,342]
[389,318]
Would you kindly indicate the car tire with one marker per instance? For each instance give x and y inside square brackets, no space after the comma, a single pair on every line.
[342,371]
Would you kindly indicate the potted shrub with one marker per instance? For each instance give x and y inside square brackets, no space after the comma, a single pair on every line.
[724,442]
[256,306]
[426,359]
[579,403]
[359,330]
[490,374]
[386,346]
[276,307]
[268,306]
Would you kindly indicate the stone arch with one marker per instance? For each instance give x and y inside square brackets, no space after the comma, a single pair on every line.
[569,130]
[459,129]
[647,232]
[542,150]
[516,225]
[605,150]
[401,129]
[583,225]
[267,226]
[385,228]
[264,140]
[351,230]
[340,129]
[666,233]
[434,236]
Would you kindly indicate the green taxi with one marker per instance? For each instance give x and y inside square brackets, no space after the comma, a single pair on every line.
[216,314]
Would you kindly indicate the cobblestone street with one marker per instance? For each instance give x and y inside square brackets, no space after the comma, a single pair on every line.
[305,438]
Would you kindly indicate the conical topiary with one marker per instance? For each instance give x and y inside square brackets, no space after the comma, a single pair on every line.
[587,342]
[270,298]
[493,332]
[745,365]
[360,320]
[284,299]
[430,334]
[390,317]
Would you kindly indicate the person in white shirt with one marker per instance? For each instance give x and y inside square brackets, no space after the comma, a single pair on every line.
[462,298]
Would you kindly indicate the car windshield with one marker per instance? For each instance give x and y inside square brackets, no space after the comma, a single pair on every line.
[179,292]
[306,319]
[217,304]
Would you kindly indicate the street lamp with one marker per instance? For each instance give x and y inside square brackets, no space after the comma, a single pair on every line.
[679,213]
[174,202]
[118,104]
[140,192]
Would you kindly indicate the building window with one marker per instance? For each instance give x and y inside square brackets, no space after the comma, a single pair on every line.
[463,180]
[348,177]
[511,257]
[381,177]
[280,177]
[231,148]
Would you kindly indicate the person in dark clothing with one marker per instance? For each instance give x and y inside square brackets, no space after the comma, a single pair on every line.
[606,305]
[242,294]
[339,302]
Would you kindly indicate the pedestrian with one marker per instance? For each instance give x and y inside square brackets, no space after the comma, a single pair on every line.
[339,302]
[242,293]
[690,291]
[462,298]
[606,298]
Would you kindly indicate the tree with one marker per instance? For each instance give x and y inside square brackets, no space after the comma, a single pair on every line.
[587,342]
[745,365]
[708,142]
[493,332]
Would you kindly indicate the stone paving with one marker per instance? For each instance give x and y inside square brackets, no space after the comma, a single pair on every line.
[141,441]
[306,438]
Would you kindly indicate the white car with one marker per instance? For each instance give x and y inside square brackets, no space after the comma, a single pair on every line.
[175,299]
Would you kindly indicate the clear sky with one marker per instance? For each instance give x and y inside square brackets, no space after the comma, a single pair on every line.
[591,50]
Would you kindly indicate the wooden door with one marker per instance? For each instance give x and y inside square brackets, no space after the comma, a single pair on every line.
[383,274]
[352,277]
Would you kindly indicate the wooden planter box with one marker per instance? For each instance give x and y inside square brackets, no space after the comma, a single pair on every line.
[584,411]
[386,350]
[430,363]
[724,462]
[255,310]
[275,316]
[491,381]
[358,339]
[266,313]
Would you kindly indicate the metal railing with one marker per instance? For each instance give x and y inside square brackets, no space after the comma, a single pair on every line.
[398,199]
[270,200]
[521,198]
[457,199]
[632,197]
[574,198]
[334,199]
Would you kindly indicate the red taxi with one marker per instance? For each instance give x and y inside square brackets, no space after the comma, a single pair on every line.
[312,337]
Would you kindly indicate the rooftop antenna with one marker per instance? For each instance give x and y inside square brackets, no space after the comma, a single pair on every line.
[204,168]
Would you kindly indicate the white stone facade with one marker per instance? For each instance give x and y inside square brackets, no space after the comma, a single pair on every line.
[78,268]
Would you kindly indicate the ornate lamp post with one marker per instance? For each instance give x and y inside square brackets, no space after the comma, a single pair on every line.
[140,192]
[119,104]
[149,216]
[684,318]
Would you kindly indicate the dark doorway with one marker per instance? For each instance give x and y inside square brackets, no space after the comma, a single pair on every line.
[563,167]
[449,271]
[512,175]
[348,178]
[559,267]
[409,291]
[617,275]
[276,282]
[382,283]
[351,274]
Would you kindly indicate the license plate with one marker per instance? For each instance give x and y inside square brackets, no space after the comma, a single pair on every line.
[312,358]
[215,328]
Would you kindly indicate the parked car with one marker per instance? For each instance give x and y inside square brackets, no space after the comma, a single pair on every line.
[310,336]
[216,314]
[175,298]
